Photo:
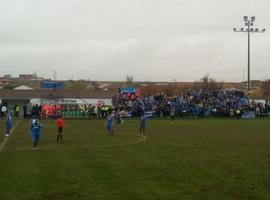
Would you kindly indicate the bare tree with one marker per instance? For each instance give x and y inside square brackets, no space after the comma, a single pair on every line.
[150,89]
[207,83]
[265,87]
[170,89]
[129,79]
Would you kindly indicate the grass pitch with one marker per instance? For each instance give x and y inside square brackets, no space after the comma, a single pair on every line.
[185,159]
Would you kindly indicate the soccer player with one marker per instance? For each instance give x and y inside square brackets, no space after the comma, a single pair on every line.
[60,124]
[142,123]
[8,123]
[118,118]
[110,124]
[35,132]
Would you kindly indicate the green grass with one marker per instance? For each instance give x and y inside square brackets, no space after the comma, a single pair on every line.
[186,159]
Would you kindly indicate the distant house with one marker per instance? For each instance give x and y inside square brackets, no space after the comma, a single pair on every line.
[8,76]
[23,87]
[4,80]
[27,77]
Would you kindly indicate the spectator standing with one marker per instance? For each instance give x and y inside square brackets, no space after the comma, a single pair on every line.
[25,110]
[172,114]
[17,110]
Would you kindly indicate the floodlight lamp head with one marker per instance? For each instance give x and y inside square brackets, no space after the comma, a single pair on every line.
[245,18]
[234,29]
[263,30]
[253,18]
[242,29]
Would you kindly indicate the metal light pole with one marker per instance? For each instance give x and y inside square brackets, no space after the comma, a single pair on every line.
[249,24]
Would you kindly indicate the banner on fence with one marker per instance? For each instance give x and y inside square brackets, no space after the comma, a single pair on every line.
[147,113]
[249,115]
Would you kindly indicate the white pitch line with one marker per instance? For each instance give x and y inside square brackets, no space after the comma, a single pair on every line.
[125,144]
[6,138]
[143,138]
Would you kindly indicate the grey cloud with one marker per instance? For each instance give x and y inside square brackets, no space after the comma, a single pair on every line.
[150,39]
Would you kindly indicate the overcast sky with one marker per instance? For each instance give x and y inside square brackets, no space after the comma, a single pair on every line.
[153,40]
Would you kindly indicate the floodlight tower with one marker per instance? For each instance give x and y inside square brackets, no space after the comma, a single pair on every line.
[249,29]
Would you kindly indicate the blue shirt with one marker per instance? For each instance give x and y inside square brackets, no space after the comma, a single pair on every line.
[8,120]
[35,128]
[110,121]
[143,120]
[118,117]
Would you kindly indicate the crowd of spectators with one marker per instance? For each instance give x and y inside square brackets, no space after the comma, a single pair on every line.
[71,110]
[191,103]
[220,103]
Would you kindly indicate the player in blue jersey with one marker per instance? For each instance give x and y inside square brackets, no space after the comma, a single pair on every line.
[35,132]
[142,123]
[8,124]
[110,124]
[118,118]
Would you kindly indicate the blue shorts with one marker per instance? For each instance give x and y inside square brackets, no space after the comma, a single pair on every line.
[35,138]
[142,125]
[8,126]
[109,127]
